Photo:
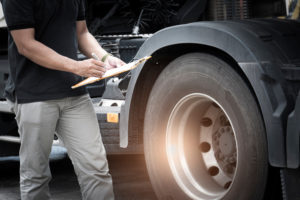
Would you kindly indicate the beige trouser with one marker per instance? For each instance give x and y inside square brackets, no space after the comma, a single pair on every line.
[75,122]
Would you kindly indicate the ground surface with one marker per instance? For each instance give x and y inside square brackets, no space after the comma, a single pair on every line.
[130,179]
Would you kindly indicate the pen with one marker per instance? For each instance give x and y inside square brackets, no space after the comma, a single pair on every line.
[97,58]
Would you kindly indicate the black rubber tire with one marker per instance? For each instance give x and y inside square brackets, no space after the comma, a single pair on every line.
[8,124]
[8,127]
[206,74]
[9,149]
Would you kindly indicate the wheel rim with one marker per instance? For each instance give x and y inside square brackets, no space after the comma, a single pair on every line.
[201,147]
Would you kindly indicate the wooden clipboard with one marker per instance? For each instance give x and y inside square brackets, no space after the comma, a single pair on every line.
[112,72]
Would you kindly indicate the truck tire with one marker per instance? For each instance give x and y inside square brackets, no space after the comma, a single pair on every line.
[8,127]
[8,124]
[204,137]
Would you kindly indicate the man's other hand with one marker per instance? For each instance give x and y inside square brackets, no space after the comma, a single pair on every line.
[113,62]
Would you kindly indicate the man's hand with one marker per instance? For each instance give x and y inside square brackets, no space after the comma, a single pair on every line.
[113,62]
[89,68]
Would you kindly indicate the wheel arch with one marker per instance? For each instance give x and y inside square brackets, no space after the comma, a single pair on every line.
[232,42]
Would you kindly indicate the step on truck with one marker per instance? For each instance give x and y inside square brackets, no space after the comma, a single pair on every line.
[215,111]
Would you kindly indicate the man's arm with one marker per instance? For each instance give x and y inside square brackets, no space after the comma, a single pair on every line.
[47,57]
[88,45]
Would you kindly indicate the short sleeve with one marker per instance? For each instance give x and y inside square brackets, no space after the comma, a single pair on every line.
[81,10]
[18,14]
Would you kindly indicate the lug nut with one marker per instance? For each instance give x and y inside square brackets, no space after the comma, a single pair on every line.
[228,128]
[206,122]
[213,171]
[224,121]
[205,147]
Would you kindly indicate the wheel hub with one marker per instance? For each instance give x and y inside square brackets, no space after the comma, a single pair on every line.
[225,149]
[202,157]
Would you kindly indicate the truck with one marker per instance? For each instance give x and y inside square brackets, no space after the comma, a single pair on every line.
[215,111]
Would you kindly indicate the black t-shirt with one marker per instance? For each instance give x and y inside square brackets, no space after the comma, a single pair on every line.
[54,22]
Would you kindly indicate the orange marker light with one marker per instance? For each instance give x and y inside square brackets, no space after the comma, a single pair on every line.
[113,117]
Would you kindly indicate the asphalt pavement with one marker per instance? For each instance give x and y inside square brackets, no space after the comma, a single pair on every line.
[130,178]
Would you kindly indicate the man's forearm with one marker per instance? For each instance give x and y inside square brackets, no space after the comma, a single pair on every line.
[46,57]
[88,45]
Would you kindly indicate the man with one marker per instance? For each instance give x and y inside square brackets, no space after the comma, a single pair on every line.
[43,40]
